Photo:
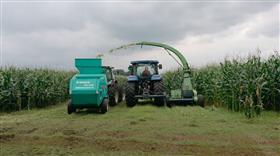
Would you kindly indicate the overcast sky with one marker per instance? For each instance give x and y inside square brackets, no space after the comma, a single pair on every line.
[52,34]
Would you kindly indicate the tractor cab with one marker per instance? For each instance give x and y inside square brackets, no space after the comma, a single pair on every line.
[108,71]
[144,69]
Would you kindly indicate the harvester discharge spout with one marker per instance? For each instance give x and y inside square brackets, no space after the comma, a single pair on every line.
[186,84]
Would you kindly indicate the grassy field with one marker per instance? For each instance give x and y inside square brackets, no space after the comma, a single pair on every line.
[142,130]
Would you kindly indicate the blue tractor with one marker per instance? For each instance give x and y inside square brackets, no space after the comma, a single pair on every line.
[144,82]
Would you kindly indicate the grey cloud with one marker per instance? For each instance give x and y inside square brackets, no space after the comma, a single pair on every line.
[172,22]
[53,33]
[132,21]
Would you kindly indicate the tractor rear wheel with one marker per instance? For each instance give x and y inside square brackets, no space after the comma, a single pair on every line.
[70,108]
[130,94]
[200,100]
[159,90]
[169,104]
[104,106]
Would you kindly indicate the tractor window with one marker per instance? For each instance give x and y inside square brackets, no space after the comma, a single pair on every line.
[141,68]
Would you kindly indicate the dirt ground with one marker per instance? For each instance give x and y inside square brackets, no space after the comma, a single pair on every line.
[142,130]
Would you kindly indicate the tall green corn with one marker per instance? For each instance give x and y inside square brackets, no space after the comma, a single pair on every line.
[27,88]
[249,85]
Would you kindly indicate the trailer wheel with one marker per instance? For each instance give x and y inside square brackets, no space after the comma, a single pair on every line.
[70,108]
[130,94]
[159,90]
[104,106]
[200,100]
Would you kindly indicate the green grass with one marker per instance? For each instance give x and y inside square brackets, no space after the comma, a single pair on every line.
[141,130]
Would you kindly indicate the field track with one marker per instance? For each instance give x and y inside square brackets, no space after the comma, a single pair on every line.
[142,130]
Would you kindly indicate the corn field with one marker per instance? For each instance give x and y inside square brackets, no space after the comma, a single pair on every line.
[249,85]
[28,88]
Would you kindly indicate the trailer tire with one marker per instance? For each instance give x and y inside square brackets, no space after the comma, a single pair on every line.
[104,106]
[200,100]
[70,108]
[159,90]
[130,94]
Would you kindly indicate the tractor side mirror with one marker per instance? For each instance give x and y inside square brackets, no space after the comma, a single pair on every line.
[160,66]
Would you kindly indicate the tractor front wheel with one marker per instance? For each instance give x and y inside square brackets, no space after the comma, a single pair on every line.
[121,94]
[130,94]
[200,100]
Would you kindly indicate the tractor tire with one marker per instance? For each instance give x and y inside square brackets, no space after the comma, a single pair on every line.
[169,104]
[121,94]
[130,94]
[201,100]
[113,96]
[70,108]
[104,106]
[159,90]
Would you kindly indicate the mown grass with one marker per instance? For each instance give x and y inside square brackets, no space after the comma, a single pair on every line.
[141,130]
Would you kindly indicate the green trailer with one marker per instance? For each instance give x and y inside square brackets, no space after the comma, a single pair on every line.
[93,87]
